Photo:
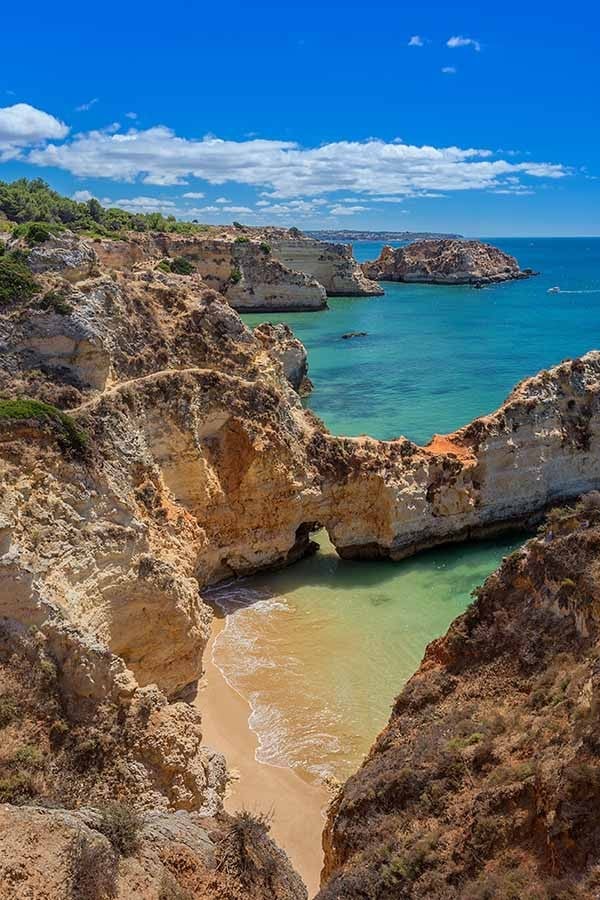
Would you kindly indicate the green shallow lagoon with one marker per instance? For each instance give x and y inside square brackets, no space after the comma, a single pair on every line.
[321,649]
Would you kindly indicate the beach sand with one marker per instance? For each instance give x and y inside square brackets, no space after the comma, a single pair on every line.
[297,805]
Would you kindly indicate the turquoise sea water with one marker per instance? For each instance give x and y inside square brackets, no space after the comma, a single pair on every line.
[322,648]
[435,357]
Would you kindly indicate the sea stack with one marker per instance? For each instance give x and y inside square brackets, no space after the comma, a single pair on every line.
[445,262]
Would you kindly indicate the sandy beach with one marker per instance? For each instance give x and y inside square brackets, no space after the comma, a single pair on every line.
[297,805]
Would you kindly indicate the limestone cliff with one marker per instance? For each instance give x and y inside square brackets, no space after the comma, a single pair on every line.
[486,783]
[447,261]
[332,264]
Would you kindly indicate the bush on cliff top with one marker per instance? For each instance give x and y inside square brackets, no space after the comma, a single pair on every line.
[23,409]
[33,201]
[16,281]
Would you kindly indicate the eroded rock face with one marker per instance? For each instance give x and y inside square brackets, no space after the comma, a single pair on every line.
[333,265]
[66,254]
[58,854]
[486,781]
[394,498]
[445,262]
[280,341]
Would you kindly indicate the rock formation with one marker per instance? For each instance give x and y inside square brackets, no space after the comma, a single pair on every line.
[151,445]
[486,781]
[445,262]
[258,269]
[281,343]
[332,264]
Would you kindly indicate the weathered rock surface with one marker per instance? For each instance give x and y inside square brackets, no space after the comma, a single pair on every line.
[66,254]
[332,264]
[486,781]
[59,854]
[393,498]
[279,340]
[445,262]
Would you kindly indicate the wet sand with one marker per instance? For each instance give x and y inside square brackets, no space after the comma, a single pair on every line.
[297,805]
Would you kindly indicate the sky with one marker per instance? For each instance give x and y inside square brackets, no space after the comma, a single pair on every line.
[475,118]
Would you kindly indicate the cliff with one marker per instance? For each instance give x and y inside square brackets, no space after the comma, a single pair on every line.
[485,783]
[333,265]
[445,262]
[258,269]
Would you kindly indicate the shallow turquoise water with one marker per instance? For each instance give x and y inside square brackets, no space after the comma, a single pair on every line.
[435,357]
[322,648]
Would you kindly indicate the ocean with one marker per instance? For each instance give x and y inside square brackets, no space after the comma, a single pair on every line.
[321,649]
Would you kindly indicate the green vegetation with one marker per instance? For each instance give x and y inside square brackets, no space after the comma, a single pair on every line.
[16,281]
[9,710]
[266,248]
[57,302]
[242,240]
[23,409]
[236,276]
[179,266]
[121,825]
[33,202]
[36,232]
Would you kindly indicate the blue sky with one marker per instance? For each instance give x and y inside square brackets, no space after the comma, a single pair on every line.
[477,118]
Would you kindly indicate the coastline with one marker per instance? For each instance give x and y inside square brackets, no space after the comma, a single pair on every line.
[297,805]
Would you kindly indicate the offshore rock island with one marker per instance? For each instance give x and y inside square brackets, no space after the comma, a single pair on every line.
[151,446]
[445,262]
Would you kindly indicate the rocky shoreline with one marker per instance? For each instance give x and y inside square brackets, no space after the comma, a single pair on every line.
[150,446]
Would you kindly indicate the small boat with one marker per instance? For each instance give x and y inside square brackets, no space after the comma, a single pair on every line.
[553,290]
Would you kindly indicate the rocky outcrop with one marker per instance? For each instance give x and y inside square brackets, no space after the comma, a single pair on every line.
[445,262]
[486,781]
[279,340]
[60,854]
[256,269]
[66,254]
[241,269]
[332,264]
[543,444]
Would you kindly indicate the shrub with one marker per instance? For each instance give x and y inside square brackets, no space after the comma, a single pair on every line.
[70,435]
[243,853]
[28,757]
[35,232]
[266,248]
[16,281]
[242,240]
[9,710]
[56,302]
[182,266]
[236,275]
[169,889]
[94,869]
[164,265]
[238,225]
[17,787]
[121,825]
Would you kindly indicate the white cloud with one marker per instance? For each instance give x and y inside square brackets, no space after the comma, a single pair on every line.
[131,115]
[82,196]
[237,209]
[346,210]
[416,41]
[85,106]
[194,195]
[22,126]
[143,204]
[449,70]
[283,169]
[459,41]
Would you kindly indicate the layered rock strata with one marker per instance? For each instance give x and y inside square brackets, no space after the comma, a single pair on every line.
[445,262]
[332,264]
[486,781]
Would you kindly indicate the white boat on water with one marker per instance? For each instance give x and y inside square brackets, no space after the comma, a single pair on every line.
[553,290]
